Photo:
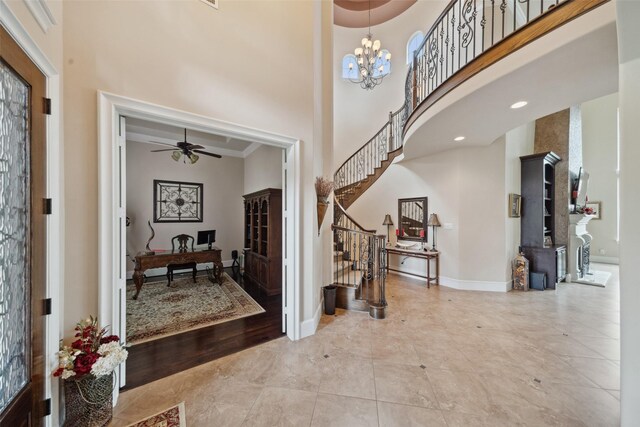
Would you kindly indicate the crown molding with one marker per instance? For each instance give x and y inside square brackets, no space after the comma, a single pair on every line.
[41,13]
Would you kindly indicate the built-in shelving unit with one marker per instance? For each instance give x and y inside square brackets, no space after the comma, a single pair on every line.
[537,228]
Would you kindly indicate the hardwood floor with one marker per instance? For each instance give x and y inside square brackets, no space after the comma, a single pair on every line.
[156,359]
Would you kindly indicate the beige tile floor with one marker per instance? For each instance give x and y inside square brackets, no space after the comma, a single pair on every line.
[441,358]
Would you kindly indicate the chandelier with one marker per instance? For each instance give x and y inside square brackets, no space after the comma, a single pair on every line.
[371,61]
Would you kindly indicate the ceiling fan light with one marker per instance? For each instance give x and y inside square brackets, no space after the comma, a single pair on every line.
[176,155]
[193,158]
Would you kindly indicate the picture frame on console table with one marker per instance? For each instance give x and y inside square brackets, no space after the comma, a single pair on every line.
[596,206]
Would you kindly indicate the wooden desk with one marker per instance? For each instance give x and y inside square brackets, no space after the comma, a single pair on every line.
[145,262]
[417,253]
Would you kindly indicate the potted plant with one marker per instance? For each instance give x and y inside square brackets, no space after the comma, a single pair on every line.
[87,368]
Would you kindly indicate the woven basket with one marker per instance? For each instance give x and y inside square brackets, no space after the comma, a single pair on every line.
[88,401]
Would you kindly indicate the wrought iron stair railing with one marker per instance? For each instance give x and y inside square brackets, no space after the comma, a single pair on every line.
[464,31]
[360,270]
[362,165]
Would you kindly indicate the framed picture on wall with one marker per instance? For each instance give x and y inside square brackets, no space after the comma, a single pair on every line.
[175,201]
[596,206]
[515,205]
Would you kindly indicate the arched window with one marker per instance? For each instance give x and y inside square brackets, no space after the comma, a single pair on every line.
[386,65]
[414,43]
[349,73]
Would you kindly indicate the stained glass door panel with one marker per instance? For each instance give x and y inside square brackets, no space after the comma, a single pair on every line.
[14,235]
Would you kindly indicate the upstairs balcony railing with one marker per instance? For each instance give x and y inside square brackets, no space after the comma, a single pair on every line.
[471,35]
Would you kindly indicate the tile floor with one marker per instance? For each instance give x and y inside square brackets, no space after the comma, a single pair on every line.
[441,358]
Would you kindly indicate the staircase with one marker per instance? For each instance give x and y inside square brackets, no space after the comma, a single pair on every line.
[366,165]
[359,259]
[447,57]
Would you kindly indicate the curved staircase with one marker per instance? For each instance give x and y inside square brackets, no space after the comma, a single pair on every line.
[467,37]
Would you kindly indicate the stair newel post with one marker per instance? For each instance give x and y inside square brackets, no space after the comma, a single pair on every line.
[382,253]
[354,260]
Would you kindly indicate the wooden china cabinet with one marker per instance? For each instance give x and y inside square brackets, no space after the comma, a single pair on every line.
[263,239]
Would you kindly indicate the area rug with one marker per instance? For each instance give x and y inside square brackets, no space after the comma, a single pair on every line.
[595,278]
[160,310]
[172,417]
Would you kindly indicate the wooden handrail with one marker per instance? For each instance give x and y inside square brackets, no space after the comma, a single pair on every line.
[363,145]
[344,212]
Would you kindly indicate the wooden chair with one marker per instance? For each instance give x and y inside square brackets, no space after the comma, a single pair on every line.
[184,241]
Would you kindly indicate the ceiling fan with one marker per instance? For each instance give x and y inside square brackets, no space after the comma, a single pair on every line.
[185,150]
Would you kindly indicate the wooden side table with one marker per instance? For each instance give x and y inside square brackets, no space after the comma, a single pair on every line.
[426,255]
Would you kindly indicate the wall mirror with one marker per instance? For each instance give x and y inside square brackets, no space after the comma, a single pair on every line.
[412,219]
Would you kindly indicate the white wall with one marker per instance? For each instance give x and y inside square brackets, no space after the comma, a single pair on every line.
[223,187]
[466,188]
[358,113]
[188,56]
[263,169]
[600,160]
[629,98]
[519,142]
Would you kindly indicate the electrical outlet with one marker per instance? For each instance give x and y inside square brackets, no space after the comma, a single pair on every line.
[602,251]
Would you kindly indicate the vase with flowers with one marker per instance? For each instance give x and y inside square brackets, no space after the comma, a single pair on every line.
[87,367]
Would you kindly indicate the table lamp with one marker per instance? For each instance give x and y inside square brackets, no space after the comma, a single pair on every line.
[388,222]
[433,222]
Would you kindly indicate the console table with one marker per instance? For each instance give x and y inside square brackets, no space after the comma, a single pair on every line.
[422,254]
[145,262]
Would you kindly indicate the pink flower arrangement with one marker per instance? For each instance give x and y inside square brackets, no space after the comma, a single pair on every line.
[93,352]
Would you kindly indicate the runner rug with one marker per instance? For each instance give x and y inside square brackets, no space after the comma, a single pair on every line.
[172,417]
[160,310]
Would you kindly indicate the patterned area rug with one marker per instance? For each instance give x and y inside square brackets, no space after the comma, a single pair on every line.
[161,310]
[172,417]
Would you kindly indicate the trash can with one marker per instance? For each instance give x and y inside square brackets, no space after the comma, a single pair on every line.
[329,299]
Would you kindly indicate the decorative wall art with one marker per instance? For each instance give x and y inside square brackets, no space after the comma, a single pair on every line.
[175,201]
[595,209]
[514,205]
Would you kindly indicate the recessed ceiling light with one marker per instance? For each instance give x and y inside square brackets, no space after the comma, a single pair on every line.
[519,104]
[459,138]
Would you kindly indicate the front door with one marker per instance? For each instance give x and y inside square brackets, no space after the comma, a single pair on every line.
[22,237]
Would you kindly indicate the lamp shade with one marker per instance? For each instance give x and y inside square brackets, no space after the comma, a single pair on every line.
[387,220]
[433,220]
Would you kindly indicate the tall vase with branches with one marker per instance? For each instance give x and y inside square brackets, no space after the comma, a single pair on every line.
[324,187]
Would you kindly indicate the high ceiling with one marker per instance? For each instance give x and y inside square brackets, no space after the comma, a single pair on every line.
[355,13]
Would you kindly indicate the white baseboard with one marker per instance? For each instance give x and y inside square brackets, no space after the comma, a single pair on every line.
[475,285]
[463,285]
[605,259]
[162,271]
[309,326]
